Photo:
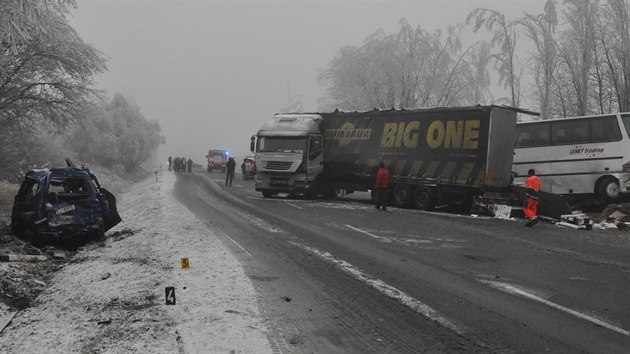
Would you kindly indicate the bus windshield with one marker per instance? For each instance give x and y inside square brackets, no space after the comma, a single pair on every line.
[282,144]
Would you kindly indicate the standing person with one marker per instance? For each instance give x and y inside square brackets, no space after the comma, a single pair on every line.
[382,182]
[230,166]
[184,162]
[170,162]
[532,187]
[176,162]
[189,163]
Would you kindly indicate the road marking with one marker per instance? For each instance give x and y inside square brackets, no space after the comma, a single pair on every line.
[295,206]
[516,291]
[384,288]
[236,243]
[367,233]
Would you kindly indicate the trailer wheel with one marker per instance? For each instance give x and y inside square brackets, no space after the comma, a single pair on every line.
[424,198]
[608,189]
[267,194]
[402,196]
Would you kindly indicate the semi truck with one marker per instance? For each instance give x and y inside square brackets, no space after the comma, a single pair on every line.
[436,156]
[217,160]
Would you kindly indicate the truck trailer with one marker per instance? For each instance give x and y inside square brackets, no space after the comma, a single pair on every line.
[436,156]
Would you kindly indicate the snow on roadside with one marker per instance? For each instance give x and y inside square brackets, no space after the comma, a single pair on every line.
[111,297]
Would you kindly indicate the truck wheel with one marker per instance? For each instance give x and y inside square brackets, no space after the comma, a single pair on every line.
[267,194]
[608,189]
[402,196]
[423,198]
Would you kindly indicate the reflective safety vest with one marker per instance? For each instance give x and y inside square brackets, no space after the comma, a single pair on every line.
[532,187]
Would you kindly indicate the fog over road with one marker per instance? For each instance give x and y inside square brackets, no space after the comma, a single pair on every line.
[340,276]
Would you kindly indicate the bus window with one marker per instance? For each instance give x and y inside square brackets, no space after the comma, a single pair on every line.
[626,122]
[529,135]
[605,129]
[569,132]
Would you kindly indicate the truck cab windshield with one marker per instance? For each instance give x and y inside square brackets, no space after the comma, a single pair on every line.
[282,144]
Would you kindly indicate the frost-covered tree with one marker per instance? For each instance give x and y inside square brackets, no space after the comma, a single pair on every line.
[409,69]
[46,74]
[541,30]
[504,36]
[614,39]
[24,20]
[577,51]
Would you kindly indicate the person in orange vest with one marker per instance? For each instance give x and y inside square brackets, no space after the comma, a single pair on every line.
[382,182]
[532,187]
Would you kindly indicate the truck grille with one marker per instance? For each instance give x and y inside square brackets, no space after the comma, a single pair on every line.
[278,165]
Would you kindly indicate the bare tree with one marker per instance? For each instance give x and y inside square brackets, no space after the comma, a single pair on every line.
[578,48]
[614,39]
[504,36]
[541,31]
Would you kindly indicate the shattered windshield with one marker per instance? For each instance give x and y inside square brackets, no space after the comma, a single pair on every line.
[282,144]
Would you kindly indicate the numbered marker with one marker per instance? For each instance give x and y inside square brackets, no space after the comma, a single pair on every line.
[170,295]
[185,263]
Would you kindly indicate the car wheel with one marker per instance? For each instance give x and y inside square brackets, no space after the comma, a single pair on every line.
[608,189]
[423,198]
[402,196]
[267,194]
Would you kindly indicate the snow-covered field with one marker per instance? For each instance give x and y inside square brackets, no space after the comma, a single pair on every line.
[111,297]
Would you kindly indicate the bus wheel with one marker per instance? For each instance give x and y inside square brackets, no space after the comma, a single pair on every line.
[267,194]
[402,196]
[423,198]
[608,189]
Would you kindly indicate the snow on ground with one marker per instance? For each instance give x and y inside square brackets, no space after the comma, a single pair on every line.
[111,297]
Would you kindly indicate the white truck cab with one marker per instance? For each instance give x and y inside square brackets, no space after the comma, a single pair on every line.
[289,154]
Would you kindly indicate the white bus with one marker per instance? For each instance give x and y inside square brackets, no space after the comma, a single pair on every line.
[581,155]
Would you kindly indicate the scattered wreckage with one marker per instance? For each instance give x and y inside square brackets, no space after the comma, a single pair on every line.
[65,205]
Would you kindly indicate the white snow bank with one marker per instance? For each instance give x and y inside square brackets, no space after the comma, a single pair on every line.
[111,298]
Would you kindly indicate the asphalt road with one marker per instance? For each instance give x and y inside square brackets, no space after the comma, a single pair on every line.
[338,276]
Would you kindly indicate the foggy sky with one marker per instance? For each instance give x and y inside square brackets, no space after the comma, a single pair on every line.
[211,72]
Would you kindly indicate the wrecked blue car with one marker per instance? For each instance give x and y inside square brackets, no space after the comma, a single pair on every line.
[63,206]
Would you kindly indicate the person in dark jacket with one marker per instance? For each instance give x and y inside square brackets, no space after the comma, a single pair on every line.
[382,182]
[189,163]
[230,166]
[170,162]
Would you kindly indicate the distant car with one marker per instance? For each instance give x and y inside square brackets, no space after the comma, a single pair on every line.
[63,205]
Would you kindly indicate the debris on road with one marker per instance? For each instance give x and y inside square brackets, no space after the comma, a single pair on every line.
[22,258]
[615,217]
[4,321]
[578,221]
